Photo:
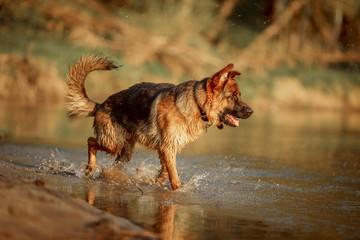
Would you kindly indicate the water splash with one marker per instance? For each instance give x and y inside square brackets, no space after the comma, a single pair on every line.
[146,172]
[132,174]
[143,172]
[57,164]
[194,182]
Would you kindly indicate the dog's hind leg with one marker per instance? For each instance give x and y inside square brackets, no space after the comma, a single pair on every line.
[126,152]
[92,149]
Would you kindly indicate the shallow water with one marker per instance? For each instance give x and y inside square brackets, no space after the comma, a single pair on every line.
[278,175]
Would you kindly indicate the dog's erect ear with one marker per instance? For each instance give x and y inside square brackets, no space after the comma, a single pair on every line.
[217,80]
[233,74]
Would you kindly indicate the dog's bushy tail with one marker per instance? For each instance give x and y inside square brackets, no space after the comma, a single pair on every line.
[79,103]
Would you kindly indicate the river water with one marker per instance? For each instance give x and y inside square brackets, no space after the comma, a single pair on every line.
[293,174]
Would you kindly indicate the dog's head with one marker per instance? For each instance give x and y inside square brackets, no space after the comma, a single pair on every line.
[224,103]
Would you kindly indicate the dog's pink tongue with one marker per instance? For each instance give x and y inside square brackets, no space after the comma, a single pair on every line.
[233,120]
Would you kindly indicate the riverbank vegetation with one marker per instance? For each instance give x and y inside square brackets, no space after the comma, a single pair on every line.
[292,54]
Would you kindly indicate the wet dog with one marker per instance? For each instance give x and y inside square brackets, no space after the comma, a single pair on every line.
[163,117]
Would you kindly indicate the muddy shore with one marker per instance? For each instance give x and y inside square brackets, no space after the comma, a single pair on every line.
[30,210]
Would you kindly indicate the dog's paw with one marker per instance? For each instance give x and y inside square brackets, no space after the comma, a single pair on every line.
[93,172]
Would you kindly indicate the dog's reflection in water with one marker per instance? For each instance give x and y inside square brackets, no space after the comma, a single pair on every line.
[165,218]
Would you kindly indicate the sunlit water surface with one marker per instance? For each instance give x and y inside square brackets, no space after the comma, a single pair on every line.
[278,175]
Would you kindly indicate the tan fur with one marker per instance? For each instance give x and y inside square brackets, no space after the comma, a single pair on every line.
[78,101]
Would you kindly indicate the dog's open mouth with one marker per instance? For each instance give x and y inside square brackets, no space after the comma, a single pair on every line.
[231,120]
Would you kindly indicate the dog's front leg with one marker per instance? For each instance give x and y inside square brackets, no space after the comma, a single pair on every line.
[163,173]
[168,159]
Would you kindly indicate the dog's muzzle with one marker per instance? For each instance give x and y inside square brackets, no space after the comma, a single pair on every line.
[249,111]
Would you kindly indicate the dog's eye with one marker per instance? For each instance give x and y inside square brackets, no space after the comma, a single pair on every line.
[234,96]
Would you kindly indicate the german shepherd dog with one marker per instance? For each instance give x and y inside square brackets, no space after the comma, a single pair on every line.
[163,117]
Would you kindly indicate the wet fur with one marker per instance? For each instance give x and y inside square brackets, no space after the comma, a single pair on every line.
[163,117]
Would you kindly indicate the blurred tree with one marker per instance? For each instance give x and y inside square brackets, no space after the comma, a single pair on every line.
[323,31]
[279,23]
[320,32]
[226,7]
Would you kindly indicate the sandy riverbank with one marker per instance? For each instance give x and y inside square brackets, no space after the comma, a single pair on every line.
[29,210]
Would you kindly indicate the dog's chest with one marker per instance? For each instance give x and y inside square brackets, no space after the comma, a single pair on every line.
[181,135]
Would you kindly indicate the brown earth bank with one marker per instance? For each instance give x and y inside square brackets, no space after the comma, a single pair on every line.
[29,210]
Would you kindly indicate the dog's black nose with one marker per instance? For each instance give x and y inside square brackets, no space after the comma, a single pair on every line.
[249,110]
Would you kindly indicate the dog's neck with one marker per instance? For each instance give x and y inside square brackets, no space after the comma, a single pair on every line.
[200,99]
